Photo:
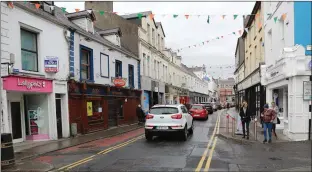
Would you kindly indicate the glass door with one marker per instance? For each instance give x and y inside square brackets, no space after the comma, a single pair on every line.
[16,121]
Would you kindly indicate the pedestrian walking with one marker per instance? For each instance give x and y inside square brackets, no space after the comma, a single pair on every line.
[268,116]
[244,113]
[276,120]
[140,114]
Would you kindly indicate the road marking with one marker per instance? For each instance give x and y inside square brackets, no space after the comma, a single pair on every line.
[82,161]
[200,164]
[210,154]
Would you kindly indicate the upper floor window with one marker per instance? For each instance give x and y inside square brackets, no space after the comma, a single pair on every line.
[153,36]
[149,33]
[29,51]
[144,64]
[131,76]
[118,68]
[86,63]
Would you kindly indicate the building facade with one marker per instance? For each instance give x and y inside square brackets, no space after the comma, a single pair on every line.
[287,70]
[239,71]
[226,91]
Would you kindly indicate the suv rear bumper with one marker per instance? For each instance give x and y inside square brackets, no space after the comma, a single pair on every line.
[156,132]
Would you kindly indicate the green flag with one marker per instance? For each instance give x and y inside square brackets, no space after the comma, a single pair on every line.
[175,15]
[208,20]
[140,15]
[233,33]
[64,9]
[217,37]
[101,13]
[235,16]
[275,19]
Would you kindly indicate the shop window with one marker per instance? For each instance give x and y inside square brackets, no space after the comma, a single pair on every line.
[94,112]
[86,63]
[29,51]
[131,76]
[118,68]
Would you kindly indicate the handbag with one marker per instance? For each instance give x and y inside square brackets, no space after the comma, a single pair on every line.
[278,121]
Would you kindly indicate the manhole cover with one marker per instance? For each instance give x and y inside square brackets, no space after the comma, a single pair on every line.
[275,159]
[86,146]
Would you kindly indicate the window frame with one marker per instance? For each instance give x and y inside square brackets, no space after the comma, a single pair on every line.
[120,71]
[132,77]
[22,49]
[91,67]
[103,76]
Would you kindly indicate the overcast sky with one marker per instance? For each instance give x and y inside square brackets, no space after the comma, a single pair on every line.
[181,32]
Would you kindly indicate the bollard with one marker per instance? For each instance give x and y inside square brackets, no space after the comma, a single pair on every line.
[255,125]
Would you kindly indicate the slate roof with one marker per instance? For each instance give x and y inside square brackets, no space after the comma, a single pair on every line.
[110,31]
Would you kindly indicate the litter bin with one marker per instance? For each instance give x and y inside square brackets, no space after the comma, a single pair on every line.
[7,151]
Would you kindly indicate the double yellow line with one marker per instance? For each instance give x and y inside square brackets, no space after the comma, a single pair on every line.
[82,161]
[214,140]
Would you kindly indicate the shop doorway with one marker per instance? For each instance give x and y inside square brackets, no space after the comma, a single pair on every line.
[58,110]
[16,121]
[114,111]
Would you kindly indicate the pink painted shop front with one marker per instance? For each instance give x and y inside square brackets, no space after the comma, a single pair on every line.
[24,84]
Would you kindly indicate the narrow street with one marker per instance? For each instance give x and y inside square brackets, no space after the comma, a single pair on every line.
[131,152]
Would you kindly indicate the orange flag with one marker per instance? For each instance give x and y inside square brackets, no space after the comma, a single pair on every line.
[187,16]
[259,25]
[151,16]
[37,6]
[240,32]
[257,15]
[77,10]
[284,16]
[10,4]
[223,16]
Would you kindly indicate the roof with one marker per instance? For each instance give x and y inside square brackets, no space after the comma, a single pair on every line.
[135,15]
[158,24]
[171,105]
[81,14]
[110,32]
[250,18]
[60,19]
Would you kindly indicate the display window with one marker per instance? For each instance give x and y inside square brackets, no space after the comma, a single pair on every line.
[95,111]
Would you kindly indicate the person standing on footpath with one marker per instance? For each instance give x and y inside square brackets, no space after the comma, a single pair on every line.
[268,116]
[276,120]
[244,113]
[140,114]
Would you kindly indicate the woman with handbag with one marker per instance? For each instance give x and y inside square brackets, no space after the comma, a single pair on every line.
[244,113]
[276,120]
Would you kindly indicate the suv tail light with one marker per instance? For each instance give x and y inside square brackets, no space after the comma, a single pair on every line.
[149,116]
[177,116]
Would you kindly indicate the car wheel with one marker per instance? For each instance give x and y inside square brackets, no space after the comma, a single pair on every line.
[206,117]
[192,128]
[148,137]
[184,133]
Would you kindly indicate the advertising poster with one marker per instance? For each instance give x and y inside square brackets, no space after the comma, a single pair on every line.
[146,102]
[89,109]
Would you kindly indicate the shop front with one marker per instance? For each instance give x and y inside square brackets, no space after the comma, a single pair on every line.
[95,107]
[35,108]
[290,88]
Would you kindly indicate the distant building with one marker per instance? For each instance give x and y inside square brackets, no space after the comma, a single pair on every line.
[226,90]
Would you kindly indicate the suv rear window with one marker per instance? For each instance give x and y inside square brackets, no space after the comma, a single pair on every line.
[197,107]
[164,110]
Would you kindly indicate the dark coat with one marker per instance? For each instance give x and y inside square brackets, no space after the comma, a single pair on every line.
[139,112]
[245,116]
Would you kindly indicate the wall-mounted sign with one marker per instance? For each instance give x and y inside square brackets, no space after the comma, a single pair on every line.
[307,95]
[15,83]
[119,82]
[89,109]
[4,70]
[51,64]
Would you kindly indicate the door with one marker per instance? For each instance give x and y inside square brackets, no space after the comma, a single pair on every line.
[58,110]
[188,117]
[113,112]
[16,121]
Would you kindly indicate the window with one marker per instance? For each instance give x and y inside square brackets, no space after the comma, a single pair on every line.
[149,33]
[144,64]
[29,51]
[162,43]
[153,36]
[148,66]
[118,68]
[104,61]
[184,110]
[155,69]
[86,63]
[131,76]
[164,110]
[158,41]
[197,107]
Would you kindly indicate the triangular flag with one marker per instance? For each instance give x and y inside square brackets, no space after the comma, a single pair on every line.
[175,15]
[151,16]
[37,6]
[259,25]
[203,43]
[25,2]
[139,15]
[269,14]
[240,32]
[187,16]
[246,29]
[207,41]
[63,9]
[221,36]
[10,4]
[275,19]
[217,37]
[102,13]
[208,20]
[223,16]
[235,16]
[233,33]
[284,16]
[77,10]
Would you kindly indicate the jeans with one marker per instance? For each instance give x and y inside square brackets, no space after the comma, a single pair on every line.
[267,127]
[245,128]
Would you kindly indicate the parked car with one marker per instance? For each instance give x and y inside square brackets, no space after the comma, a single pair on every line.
[166,119]
[199,111]
[208,107]
[214,106]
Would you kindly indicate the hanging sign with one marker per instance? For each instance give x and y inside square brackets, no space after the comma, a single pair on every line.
[119,82]
[51,64]
[89,109]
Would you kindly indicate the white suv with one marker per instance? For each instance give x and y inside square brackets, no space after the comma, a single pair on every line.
[165,119]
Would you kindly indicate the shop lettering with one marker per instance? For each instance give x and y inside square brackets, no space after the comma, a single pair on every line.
[274,74]
[30,84]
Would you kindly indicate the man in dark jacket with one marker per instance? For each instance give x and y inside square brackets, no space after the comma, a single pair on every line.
[140,113]
[245,115]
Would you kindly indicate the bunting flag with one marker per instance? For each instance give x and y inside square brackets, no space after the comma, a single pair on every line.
[203,43]
[37,6]
[284,16]
[235,16]
[139,15]
[175,15]
[257,15]
[246,29]
[240,32]
[63,9]
[77,10]
[233,33]
[151,16]
[223,16]
[10,5]
[187,16]
[275,19]
[221,36]
[101,13]
[208,19]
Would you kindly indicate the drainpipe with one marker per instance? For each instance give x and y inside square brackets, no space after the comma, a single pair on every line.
[1,113]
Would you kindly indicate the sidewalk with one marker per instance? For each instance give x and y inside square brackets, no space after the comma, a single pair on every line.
[24,153]
[253,136]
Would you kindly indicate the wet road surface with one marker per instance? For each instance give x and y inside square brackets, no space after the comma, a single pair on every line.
[203,151]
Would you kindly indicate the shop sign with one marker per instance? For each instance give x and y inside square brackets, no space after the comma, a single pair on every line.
[96,90]
[89,109]
[119,82]
[15,83]
[51,64]
[307,95]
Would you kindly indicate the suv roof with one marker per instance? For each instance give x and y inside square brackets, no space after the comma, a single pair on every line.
[175,105]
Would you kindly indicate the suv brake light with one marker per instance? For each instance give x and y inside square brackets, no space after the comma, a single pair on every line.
[177,116]
[149,116]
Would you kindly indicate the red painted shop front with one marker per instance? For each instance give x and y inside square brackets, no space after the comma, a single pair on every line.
[184,100]
[96,107]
